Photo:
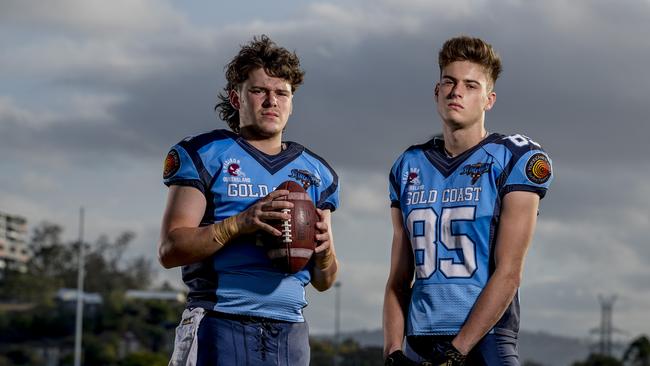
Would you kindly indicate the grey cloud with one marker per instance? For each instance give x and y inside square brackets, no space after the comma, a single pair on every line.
[556,88]
[96,17]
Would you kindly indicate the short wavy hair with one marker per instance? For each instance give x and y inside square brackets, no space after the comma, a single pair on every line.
[464,48]
[261,52]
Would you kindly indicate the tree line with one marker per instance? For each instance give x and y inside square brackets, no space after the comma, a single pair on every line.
[119,332]
[36,329]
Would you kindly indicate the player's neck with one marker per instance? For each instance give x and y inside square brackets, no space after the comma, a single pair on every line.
[268,145]
[460,140]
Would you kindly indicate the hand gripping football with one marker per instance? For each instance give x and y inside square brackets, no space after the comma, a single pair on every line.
[291,251]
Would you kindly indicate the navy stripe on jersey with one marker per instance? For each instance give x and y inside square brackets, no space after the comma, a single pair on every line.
[394,183]
[322,204]
[273,163]
[201,279]
[502,178]
[208,216]
[192,146]
[507,169]
[509,322]
[516,150]
[198,141]
[448,165]
[192,151]
[189,183]
[524,187]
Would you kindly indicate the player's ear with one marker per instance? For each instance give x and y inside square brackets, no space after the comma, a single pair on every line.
[436,90]
[233,96]
[291,104]
[491,99]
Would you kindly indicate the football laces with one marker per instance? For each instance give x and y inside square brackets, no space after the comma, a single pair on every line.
[286,227]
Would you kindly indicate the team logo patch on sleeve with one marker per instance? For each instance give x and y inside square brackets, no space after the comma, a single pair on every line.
[538,169]
[172,164]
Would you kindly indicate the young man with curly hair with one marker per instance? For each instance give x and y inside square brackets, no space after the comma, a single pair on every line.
[241,309]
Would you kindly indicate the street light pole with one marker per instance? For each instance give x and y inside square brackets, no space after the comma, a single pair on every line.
[337,321]
[80,292]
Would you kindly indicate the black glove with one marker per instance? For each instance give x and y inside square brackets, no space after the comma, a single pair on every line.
[447,355]
[398,358]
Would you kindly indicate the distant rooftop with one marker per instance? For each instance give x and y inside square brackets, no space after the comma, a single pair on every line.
[155,295]
[70,294]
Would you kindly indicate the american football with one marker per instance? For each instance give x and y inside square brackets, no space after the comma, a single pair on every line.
[291,251]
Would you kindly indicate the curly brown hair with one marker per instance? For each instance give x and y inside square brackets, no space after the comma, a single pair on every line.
[261,52]
[464,48]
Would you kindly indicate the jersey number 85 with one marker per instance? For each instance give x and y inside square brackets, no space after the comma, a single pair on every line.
[427,229]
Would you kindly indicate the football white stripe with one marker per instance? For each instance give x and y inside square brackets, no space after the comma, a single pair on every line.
[295,252]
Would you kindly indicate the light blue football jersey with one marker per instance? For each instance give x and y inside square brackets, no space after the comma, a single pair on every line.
[233,175]
[451,207]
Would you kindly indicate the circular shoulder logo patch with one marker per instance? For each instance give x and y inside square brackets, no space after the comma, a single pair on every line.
[172,164]
[538,169]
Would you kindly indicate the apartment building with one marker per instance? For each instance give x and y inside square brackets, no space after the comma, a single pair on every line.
[14,252]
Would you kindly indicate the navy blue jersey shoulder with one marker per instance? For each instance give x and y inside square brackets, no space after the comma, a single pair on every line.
[329,167]
[194,143]
[517,144]
[431,144]
[332,187]
[392,179]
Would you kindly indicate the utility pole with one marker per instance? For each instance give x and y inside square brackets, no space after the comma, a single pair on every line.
[80,292]
[337,321]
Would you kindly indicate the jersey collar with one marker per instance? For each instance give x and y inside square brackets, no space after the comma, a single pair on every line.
[434,150]
[272,163]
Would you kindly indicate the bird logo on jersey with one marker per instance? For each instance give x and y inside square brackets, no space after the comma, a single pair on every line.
[538,168]
[305,177]
[233,167]
[411,177]
[476,170]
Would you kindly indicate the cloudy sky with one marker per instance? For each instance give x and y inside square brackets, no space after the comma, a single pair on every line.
[93,93]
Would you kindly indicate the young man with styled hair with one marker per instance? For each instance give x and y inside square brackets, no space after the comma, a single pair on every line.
[464,207]
[241,309]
